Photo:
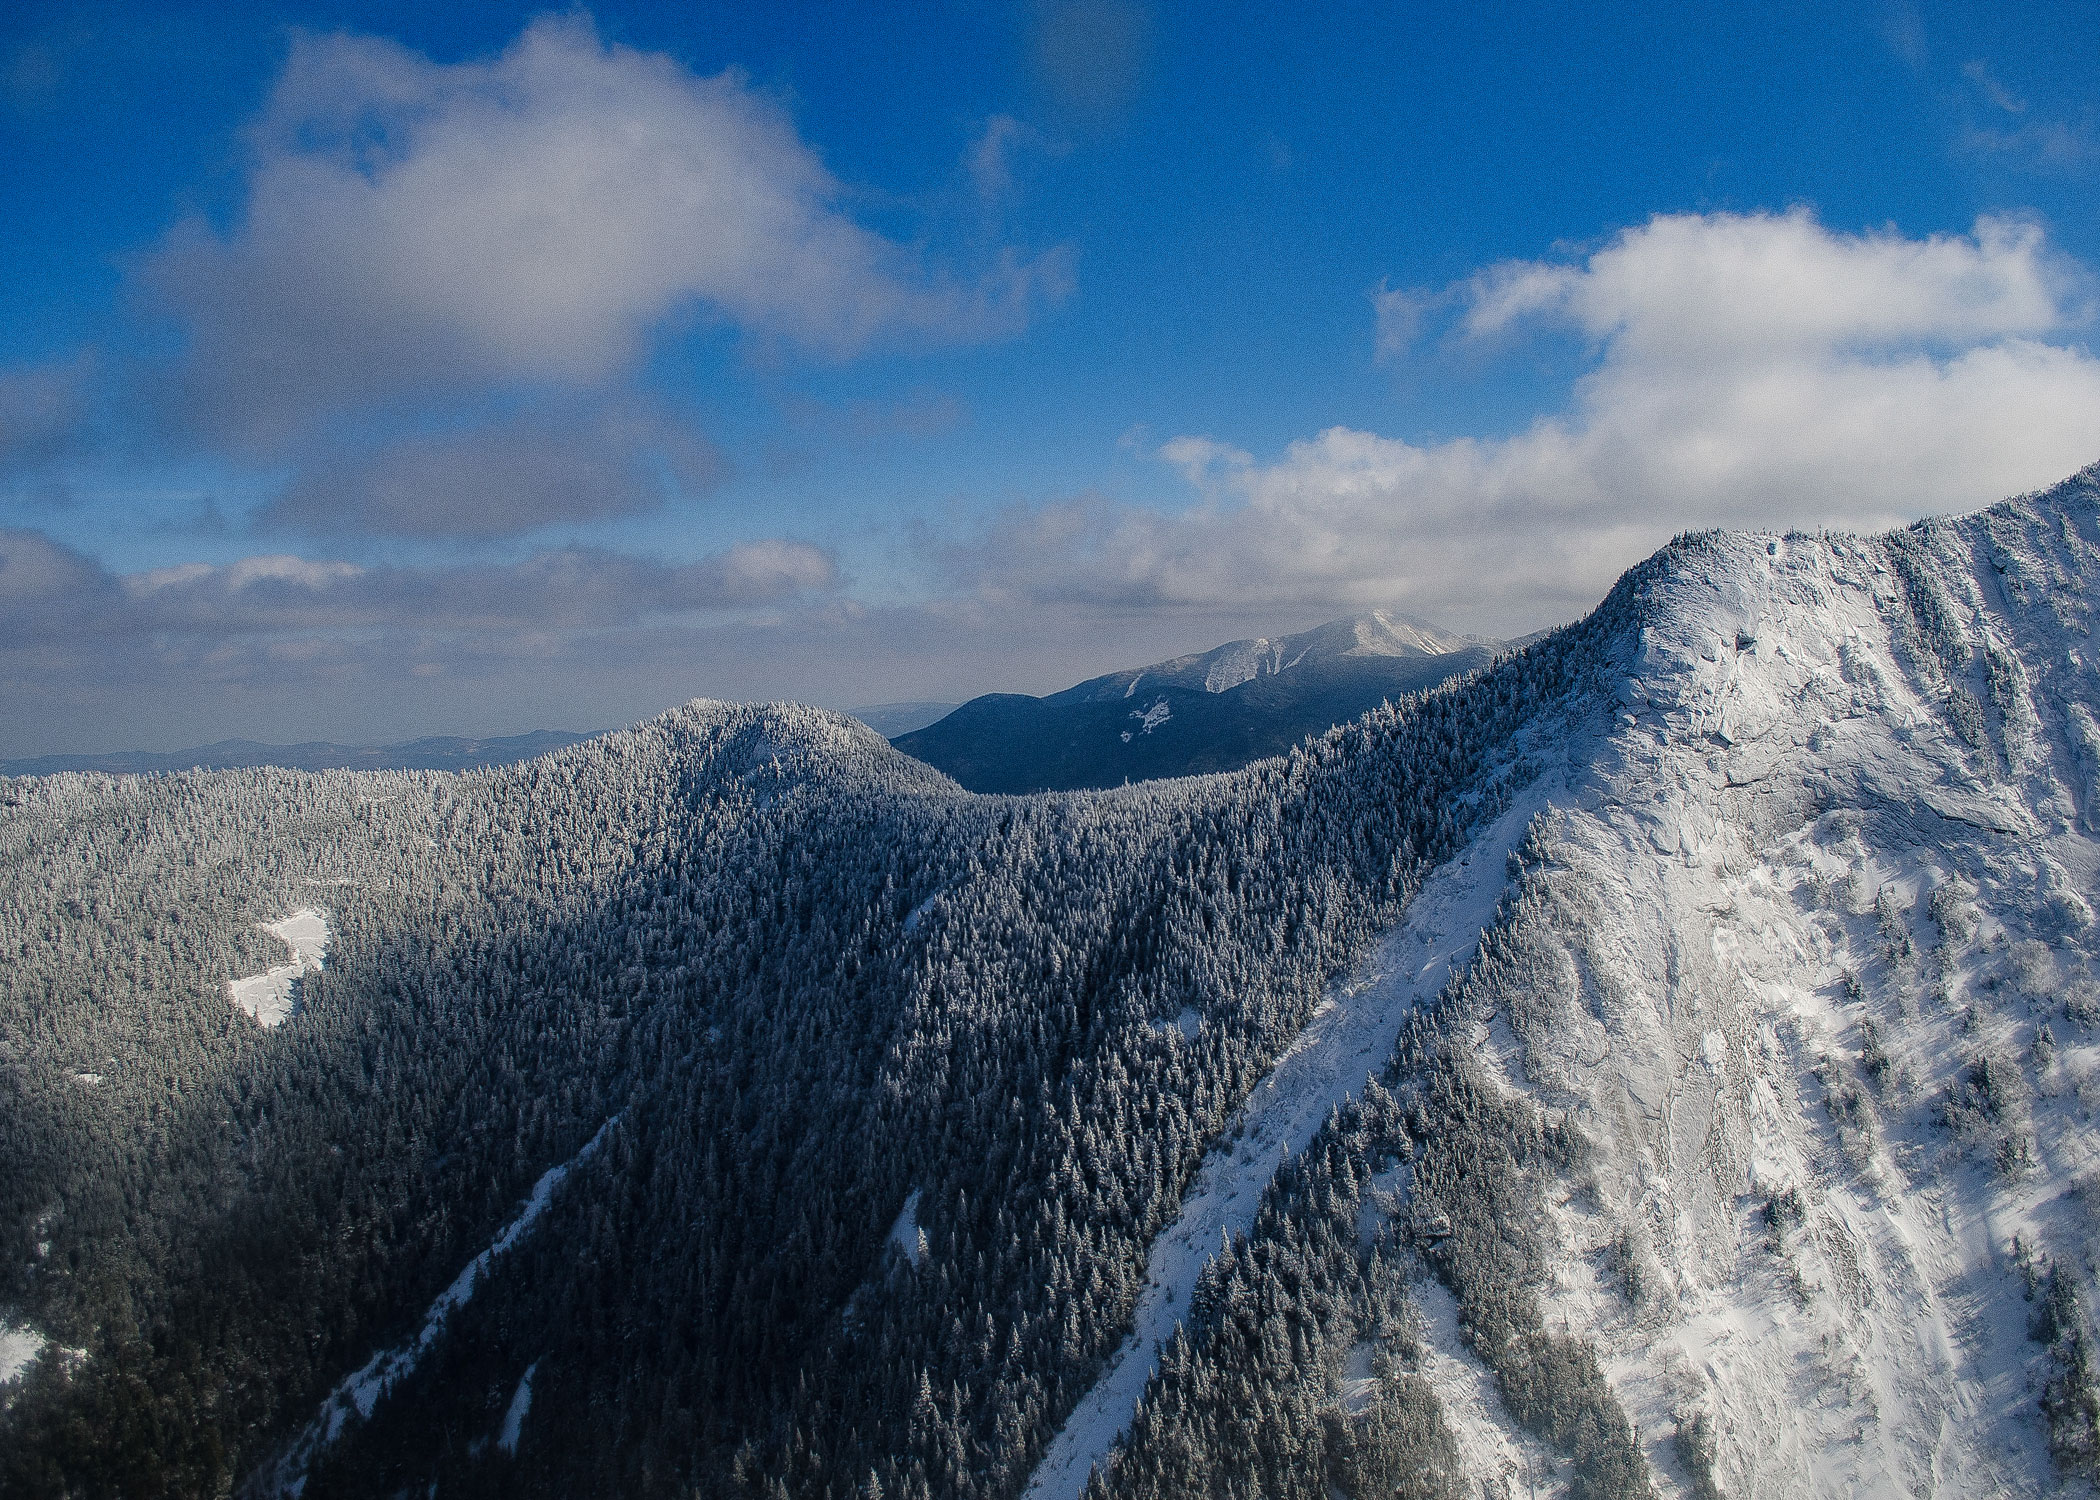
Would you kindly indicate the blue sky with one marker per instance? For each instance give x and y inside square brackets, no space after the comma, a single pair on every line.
[370,371]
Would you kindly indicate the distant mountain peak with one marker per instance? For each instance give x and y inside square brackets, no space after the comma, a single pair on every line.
[1208,711]
[1381,633]
[1376,632]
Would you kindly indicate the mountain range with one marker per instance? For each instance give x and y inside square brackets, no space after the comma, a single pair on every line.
[1662,1061]
[1212,711]
[438,753]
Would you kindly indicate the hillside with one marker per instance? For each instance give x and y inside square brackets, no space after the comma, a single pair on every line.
[1660,1063]
[1210,711]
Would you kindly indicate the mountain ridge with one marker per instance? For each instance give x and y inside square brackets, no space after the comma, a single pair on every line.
[431,753]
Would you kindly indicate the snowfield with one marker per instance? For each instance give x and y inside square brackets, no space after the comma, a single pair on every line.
[19,1348]
[1822,871]
[270,997]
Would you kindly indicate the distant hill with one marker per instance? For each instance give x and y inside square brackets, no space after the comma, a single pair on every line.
[439,753]
[892,719]
[1209,711]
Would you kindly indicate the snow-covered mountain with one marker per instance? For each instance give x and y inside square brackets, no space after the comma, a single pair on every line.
[1376,633]
[1802,948]
[1797,953]
[1214,710]
[1661,1063]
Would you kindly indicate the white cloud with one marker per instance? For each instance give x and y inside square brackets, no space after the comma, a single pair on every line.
[1200,459]
[1751,370]
[51,593]
[285,647]
[1398,312]
[1978,72]
[1732,287]
[533,217]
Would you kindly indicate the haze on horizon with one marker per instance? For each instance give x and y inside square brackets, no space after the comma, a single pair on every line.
[373,371]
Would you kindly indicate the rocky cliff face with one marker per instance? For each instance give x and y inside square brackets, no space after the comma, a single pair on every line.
[1809,967]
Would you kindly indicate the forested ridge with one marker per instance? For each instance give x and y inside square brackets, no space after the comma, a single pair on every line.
[808,979]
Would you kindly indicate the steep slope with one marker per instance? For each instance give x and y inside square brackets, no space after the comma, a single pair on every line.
[809,979]
[1212,711]
[1768,1108]
[1815,981]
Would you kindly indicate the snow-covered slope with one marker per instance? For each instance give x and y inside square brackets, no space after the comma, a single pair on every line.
[1214,710]
[1801,948]
[270,997]
[1816,983]
[1823,999]
[1749,1150]
[1350,1033]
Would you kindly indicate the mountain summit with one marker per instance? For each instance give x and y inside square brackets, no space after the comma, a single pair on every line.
[1208,711]
[1223,668]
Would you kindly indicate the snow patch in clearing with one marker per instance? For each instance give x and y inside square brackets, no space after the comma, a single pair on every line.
[514,1419]
[19,1348]
[906,1234]
[270,997]
[362,1390]
[1359,1380]
[1492,1449]
[1185,1025]
[1350,1037]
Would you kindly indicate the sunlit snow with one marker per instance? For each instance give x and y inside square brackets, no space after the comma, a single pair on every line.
[19,1348]
[271,996]
[1812,874]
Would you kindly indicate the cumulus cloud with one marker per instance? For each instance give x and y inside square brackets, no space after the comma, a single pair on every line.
[1737,288]
[412,226]
[1751,370]
[501,479]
